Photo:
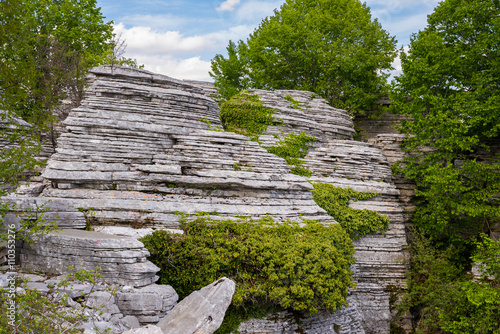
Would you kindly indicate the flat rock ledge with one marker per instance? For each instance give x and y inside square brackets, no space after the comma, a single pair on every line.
[121,260]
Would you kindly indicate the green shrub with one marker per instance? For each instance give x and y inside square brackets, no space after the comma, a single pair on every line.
[245,114]
[293,148]
[443,298]
[336,200]
[282,266]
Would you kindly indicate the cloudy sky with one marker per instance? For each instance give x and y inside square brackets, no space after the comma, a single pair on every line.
[179,38]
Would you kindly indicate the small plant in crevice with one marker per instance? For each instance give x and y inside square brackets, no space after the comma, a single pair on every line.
[236,166]
[294,103]
[90,218]
[335,201]
[293,149]
[280,265]
[209,125]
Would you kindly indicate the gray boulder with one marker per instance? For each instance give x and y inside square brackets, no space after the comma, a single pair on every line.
[200,312]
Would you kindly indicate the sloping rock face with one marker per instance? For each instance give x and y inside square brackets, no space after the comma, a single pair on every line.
[202,311]
[139,150]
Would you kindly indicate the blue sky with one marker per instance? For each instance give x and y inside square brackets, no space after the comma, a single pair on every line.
[179,38]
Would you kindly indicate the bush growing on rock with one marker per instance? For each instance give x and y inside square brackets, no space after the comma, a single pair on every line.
[289,266]
[356,222]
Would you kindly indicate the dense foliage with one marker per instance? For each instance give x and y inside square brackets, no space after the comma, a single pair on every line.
[441,294]
[333,48]
[356,222]
[450,87]
[52,44]
[285,265]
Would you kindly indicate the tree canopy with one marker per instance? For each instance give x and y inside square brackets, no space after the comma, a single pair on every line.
[48,47]
[450,87]
[333,48]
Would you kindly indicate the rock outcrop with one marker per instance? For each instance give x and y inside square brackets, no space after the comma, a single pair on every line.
[139,150]
[348,320]
[103,305]
[202,311]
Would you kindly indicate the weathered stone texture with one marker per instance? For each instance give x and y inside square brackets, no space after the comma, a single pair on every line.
[348,320]
[122,260]
[139,149]
[380,264]
[202,311]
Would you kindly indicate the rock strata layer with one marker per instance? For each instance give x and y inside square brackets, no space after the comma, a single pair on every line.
[336,159]
[122,260]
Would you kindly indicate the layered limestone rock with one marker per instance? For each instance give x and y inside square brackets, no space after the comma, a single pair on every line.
[348,320]
[122,260]
[139,150]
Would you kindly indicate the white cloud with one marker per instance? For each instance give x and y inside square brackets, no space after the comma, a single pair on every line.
[145,40]
[228,5]
[162,21]
[175,54]
[191,68]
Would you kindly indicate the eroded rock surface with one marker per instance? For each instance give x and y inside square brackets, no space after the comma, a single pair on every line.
[122,260]
[336,159]
[202,311]
[139,149]
[348,320]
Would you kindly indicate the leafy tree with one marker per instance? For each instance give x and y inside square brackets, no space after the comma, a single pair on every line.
[51,46]
[450,88]
[443,297]
[333,48]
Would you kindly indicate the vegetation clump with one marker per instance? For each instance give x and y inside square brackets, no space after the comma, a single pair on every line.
[355,222]
[281,265]
[441,294]
[294,103]
[245,114]
[293,149]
